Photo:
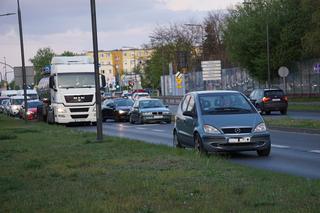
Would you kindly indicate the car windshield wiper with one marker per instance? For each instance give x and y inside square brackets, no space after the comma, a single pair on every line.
[229,109]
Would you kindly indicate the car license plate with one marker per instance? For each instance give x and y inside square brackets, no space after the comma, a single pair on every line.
[276,99]
[158,116]
[239,140]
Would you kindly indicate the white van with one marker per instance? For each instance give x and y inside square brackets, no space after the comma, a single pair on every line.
[9,93]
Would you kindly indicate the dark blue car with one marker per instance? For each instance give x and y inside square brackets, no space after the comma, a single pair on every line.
[225,121]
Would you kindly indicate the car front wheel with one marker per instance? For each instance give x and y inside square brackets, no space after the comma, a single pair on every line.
[198,145]
[264,152]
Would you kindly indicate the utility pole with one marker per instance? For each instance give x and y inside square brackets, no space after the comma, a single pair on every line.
[96,69]
[24,78]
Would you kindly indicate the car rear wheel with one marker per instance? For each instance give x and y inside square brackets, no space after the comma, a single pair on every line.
[283,112]
[198,145]
[264,152]
[176,142]
[131,119]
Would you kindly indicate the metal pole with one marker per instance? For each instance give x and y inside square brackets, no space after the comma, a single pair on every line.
[24,78]
[268,56]
[96,69]
[163,74]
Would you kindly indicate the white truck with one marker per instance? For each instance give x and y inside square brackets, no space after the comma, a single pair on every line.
[68,93]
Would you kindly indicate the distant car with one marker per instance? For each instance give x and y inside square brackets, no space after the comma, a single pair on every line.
[106,95]
[3,100]
[32,109]
[6,107]
[15,105]
[116,109]
[268,100]
[138,95]
[147,110]
[220,121]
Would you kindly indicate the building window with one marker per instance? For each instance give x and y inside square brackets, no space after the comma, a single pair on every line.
[110,71]
[125,54]
[101,55]
[108,54]
[102,71]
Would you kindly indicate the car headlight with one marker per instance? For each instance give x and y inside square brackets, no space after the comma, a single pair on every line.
[29,113]
[94,109]
[147,113]
[261,128]
[122,111]
[61,110]
[14,107]
[210,129]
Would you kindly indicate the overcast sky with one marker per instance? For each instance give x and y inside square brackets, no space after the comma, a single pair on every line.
[66,24]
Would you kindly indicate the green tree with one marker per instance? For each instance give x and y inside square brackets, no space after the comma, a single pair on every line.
[246,30]
[68,53]
[40,60]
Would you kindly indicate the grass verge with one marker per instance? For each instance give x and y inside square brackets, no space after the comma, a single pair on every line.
[52,168]
[292,123]
[304,107]
[304,99]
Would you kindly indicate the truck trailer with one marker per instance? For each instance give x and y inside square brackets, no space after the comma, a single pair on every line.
[68,91]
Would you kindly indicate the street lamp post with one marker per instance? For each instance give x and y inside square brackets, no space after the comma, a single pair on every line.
[268,44]
[24,78]
[96,69]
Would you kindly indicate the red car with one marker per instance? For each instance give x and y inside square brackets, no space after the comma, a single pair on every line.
[32,109]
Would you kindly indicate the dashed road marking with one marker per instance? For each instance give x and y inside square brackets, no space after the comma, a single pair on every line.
[141,128]
[158,130]
[315,151]
[280,146]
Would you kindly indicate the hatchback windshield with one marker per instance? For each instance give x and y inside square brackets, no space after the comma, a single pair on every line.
[34,104]
[16,101]
[272,93]
[151,104]
[124,102]
[224,103]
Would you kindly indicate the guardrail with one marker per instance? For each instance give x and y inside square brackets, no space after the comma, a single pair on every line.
[170,100]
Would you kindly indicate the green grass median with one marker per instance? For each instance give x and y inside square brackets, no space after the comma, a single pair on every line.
[50,168]
[292,123]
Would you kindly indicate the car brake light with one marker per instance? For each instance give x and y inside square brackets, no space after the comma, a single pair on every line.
[285,98]
[265,99]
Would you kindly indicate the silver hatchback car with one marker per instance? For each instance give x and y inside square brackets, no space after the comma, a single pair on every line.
[225,121]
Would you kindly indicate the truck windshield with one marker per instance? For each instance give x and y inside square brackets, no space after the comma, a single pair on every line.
[76,80]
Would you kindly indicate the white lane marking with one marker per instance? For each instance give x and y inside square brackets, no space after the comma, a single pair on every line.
[315,151]
[141,128]
[280,146]
[158,130]
[288,132]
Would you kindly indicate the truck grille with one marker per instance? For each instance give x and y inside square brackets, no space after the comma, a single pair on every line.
[236,130]
[79,109]
[78,98]
[79,116]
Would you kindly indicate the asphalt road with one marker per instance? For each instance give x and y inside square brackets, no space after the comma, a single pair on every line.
[292,153]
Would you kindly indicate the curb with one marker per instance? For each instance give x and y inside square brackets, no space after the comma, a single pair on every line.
[296,130]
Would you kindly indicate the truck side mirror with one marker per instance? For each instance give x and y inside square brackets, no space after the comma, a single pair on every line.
[103,81]
[51,82]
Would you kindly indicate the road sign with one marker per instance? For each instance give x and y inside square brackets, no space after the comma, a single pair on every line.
[283,72]
[211,70]
[316,68]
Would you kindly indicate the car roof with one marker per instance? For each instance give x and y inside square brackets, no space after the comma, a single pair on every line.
[148,99]
[17,97]
[213,92]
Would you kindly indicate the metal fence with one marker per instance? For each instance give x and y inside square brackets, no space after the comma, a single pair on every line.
[303,80]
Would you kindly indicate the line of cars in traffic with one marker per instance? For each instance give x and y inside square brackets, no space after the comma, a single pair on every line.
[12,103]
[137,108]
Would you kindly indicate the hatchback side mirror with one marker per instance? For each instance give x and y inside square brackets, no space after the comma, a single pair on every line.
[188,113]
